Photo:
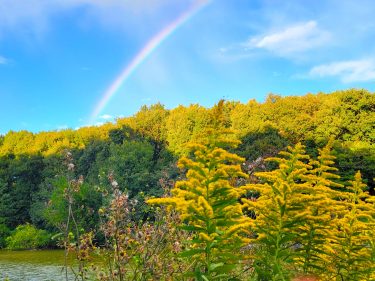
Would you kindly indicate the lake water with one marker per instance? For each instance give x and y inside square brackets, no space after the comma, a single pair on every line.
[43,265]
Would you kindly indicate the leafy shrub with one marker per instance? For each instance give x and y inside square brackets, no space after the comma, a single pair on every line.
[28,237]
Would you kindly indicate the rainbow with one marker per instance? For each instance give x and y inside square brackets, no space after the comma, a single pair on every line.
[145,52]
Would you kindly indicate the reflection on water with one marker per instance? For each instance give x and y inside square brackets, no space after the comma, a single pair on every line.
[45,265]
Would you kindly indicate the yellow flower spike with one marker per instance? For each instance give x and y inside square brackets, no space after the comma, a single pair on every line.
[205,237]
[206,208]
[208,204]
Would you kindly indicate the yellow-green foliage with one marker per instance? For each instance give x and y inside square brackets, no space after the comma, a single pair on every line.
[317,228]
[293,209]
[301,221]
[352,246]
[149,122]
[348,115]
[185,124]
[280,212]
[208,203]
[49,143]
[308,224]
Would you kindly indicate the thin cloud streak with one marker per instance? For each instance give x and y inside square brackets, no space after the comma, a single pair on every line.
[293,39]
[294,42]
[347,71]
[106,117]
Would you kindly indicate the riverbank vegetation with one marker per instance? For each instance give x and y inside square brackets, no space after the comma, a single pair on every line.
[257,191]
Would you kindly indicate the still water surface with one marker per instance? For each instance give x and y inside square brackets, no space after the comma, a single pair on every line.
[43,265]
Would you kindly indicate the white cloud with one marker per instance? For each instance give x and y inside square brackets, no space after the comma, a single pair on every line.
[291,40]
[348,71]
[106,117]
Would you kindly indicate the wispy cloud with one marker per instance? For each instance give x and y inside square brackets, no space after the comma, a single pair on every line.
[290,40]
[97,124]
[3,60]
[106,117]
[62,127]
[33,17]
[347,71]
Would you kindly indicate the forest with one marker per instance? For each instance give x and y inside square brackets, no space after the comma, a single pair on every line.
[275,190]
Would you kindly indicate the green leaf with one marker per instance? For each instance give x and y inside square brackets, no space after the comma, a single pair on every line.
[204,278]
[220,277]
[225,268]
[282,209]
[191,252]
[191,228]
[213,266]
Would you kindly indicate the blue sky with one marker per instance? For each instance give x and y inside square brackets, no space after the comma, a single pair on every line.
[57,58]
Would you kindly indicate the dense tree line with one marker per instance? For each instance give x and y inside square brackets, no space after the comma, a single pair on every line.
[141,151]
[294,221]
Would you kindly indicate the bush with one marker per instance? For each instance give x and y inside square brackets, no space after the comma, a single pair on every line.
[4,233]
[28,236]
